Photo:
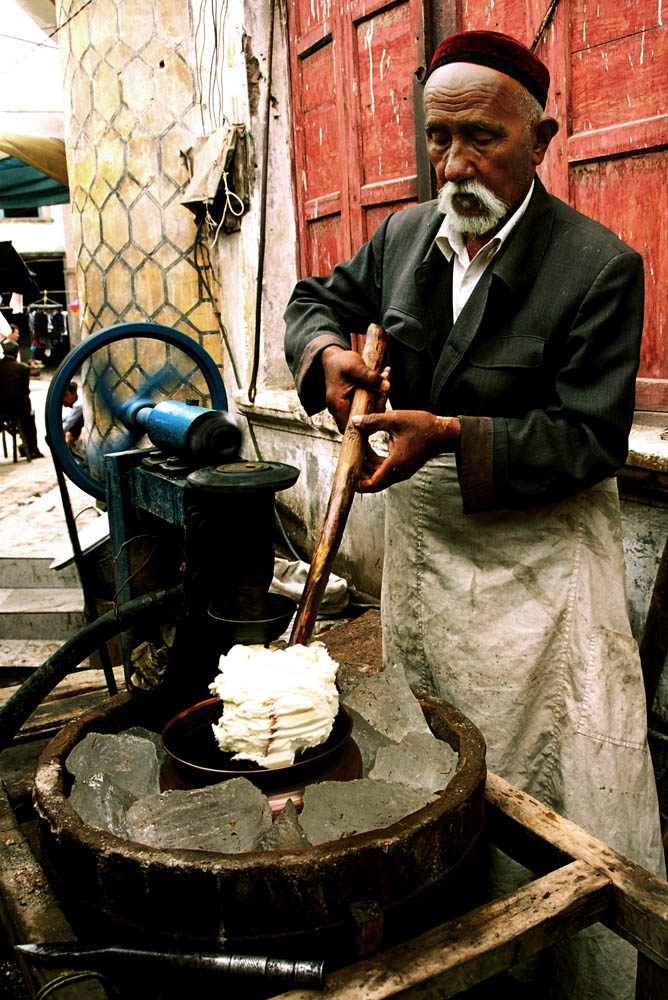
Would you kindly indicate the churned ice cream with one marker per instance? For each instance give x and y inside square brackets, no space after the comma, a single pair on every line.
[276,703]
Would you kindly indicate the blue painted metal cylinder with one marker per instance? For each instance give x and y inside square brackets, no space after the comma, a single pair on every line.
[189,430]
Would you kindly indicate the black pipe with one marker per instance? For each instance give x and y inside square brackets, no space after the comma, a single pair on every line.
[90,604]
[32,692]
[263,211]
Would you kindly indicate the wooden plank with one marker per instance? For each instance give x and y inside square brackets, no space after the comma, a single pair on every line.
[610,19]
[311,16]
[652,394]
[616,140]
[394,189]
[628,85]
[327,204]
[30,912]
[629,195]
[640,913]
[75,694]
[652,981]
[484,942]
[374,215]
[17,768]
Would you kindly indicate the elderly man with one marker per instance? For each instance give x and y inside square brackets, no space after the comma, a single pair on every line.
[514,330]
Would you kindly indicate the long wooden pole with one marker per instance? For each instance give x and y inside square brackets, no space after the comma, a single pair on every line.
[347,473]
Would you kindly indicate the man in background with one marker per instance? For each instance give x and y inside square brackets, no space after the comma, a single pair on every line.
[15,395]
[73,418]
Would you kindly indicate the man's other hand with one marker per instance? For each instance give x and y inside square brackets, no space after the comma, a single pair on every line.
[415,436]
[344,373]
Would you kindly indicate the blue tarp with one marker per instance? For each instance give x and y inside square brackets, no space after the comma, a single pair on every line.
[22,186]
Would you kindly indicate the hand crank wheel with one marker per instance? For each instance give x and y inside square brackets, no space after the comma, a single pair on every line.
[106,382]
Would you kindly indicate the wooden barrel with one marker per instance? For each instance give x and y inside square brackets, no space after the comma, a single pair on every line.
[301,904]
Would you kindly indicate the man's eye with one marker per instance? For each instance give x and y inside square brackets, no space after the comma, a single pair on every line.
[482,139]
[438,138]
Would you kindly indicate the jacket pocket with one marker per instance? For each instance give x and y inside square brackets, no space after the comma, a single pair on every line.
[404,327]
[508,352]
[613,709]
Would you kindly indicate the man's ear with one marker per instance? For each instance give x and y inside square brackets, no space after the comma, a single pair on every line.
[544,130]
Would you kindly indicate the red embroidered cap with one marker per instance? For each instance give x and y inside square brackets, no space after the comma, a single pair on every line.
[498,51]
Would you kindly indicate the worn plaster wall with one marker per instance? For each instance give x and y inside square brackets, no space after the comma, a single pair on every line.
[276,427]
[239,61]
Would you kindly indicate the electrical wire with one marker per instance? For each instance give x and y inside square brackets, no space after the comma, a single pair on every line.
[263,207]
[28,41]
[65,980]
[41,45]
[202,268]
[215,20]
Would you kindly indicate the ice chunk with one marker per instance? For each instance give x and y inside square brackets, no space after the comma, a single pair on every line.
[229,817]
[286,833]
[335,809]
[420,761]
[149,734]
[368,741]
[387,703]
[102,804]
[130,762]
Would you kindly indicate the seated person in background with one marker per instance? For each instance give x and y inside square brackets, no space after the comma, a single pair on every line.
[9,338]
[73,418]
[15,394]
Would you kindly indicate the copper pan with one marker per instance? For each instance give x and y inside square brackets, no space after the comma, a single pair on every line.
[194,758]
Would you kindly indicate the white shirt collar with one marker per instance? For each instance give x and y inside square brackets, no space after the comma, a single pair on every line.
[451,241]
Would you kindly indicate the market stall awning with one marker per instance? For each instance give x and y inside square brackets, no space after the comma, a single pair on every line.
[14,274]
[33,171]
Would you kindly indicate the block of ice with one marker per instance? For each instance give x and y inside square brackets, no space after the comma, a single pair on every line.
[229,817]
[130,762]
[420,761]
[335,809]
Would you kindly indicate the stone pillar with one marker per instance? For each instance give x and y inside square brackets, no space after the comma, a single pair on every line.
[131,106]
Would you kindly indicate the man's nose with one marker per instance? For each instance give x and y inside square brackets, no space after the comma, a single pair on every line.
[457,164]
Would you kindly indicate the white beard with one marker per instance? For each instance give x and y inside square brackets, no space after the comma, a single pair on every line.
[471,195]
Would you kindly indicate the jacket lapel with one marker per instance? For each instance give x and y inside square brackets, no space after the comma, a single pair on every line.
[433,278]
[516,266]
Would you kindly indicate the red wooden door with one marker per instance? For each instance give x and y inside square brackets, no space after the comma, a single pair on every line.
[352,70]
[609,92]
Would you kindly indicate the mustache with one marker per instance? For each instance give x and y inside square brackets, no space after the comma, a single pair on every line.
[471,195]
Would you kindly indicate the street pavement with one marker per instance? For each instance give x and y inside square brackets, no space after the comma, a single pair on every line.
[32,522]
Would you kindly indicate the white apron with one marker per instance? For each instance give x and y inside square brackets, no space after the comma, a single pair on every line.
[519,619]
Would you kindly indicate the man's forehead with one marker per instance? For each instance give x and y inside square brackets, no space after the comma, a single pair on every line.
[469,81]
[462,88]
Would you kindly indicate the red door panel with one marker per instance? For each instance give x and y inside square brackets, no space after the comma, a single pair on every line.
[352,67]
[609,92]
[630,196]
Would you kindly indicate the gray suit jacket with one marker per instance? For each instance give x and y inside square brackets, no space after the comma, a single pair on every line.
[540,365]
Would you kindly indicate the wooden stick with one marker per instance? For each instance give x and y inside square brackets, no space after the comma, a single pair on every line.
[347,473]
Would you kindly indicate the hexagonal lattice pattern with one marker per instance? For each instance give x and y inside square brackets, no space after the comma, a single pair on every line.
[133,107]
